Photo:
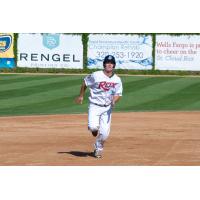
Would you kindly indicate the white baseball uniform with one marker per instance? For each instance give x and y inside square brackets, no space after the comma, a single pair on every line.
[102,89]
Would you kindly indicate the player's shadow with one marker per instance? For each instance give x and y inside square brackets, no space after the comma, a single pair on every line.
[78,153]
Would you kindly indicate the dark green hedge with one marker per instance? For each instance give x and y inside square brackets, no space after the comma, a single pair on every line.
[88,71]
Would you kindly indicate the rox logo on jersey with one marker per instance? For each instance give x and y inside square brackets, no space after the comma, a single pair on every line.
[106,85]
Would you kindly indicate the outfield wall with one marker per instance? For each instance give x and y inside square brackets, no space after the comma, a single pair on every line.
[178,52]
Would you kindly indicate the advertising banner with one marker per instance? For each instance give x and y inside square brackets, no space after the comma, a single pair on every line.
[130,51]
[50,51]
[177,52]
[6,50]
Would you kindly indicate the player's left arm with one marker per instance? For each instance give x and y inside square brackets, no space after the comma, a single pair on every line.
[118,94]
[116,98]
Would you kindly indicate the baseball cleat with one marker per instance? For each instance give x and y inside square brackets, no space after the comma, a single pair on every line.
[97,153]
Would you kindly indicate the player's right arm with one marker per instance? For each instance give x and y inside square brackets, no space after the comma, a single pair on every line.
[79,99]
[88,82]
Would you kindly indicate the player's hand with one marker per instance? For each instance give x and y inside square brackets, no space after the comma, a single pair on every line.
[113,104]
[79,100]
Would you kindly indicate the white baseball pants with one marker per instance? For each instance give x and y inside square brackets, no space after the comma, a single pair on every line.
[99,119]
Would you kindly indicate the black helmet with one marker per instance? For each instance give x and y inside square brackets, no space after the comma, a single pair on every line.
[109,59]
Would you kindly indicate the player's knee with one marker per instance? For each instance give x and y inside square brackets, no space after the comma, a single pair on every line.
[93,128]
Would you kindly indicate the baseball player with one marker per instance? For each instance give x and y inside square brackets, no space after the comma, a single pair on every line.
[105,90]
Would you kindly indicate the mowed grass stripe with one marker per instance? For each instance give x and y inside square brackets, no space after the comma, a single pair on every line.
[192,106]
[187,94]
[39,97]
[153,92]
[38,107]
[62,103]
[34,82]
[65,104]
[21,79]
[134,86]
[57,95]
[148,92]
[42,99]
[57,105]
[38,89]
[16,104]
[178,100]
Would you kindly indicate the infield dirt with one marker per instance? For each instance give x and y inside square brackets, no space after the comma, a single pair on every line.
[137,138]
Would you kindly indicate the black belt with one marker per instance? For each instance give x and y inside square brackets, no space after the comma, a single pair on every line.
[101,105]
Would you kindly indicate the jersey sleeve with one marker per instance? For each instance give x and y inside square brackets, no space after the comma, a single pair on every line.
[119,89]
[89,80]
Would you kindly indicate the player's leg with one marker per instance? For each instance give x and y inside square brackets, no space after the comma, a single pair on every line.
[104,130]
[93,119]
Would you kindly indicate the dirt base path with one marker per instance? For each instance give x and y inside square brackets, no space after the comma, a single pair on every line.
[140,138]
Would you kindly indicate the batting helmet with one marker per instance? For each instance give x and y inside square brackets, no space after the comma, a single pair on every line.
[109,59]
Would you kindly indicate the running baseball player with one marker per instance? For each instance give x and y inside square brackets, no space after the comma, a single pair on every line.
[105,90]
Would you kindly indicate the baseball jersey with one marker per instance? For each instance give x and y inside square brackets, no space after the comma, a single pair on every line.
[103,88]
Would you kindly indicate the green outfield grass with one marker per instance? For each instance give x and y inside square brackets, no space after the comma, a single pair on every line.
[53,94]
